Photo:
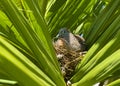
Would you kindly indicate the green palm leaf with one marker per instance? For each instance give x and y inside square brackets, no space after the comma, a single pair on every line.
[27,28]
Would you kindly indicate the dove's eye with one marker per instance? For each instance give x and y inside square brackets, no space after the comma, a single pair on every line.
[63,31]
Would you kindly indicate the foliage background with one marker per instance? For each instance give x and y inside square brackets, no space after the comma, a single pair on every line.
[26,31]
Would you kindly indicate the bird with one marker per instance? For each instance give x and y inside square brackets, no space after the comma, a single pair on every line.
[68,49]
[76,42]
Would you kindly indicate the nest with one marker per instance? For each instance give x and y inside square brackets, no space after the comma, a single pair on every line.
[67,58]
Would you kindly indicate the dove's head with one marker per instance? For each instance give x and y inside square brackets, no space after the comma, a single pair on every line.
[63,32]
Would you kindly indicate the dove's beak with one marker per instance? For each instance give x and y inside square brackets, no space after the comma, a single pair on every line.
[58,35]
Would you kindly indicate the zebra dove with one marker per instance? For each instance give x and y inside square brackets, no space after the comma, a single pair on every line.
[76,42]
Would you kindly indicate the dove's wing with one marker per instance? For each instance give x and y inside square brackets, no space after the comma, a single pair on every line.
[74,43]
[81,40]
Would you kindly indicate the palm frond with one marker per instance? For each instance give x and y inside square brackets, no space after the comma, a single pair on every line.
[27,28]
